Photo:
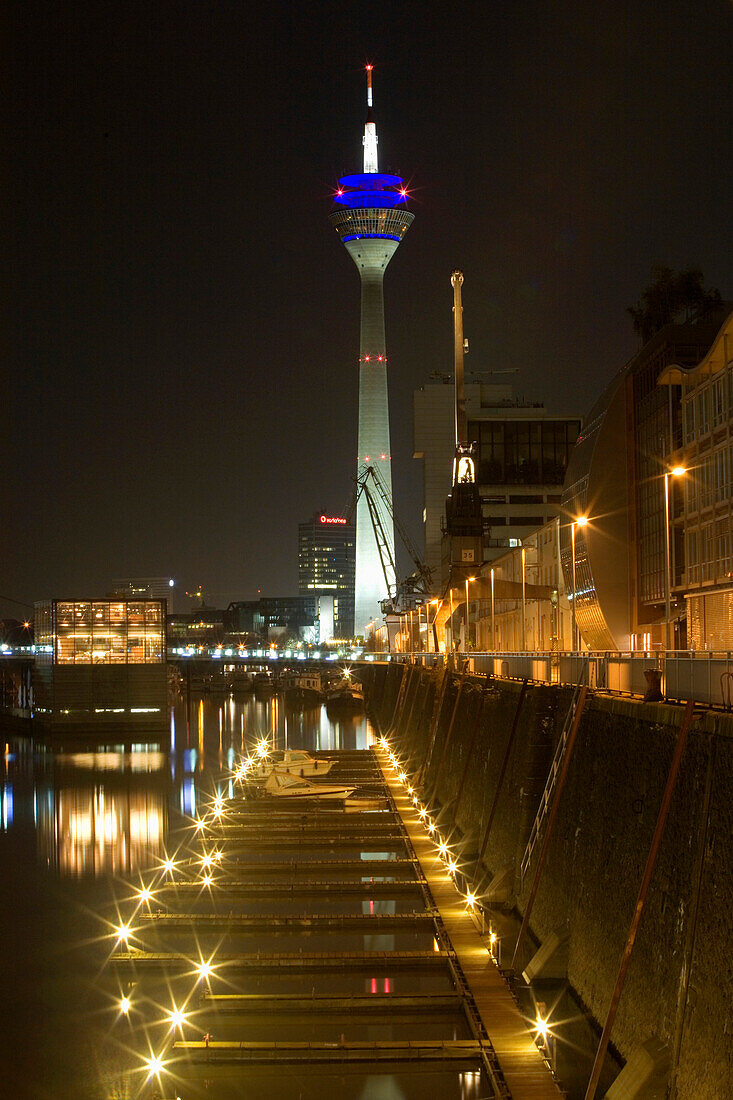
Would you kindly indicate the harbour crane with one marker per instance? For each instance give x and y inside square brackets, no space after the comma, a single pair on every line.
[369,483]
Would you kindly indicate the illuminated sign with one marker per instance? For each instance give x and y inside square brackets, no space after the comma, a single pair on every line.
[332,519]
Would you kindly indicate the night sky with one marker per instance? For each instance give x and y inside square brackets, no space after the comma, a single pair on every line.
[181,320]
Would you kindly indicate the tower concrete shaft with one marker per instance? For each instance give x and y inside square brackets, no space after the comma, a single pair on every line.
[371,223]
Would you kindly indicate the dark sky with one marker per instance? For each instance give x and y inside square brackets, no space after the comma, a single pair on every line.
[181,319]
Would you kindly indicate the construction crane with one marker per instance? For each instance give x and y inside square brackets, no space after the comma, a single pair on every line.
[369,483]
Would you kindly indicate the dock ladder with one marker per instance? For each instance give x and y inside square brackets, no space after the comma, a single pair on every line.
[569,729]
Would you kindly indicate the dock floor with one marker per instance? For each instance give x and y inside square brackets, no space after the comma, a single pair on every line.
[524,1069]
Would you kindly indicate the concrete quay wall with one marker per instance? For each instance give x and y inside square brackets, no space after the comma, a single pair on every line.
[679,987]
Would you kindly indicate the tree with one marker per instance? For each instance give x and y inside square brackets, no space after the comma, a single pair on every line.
[671,296]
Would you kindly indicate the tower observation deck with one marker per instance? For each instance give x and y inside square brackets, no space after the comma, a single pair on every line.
[371,221]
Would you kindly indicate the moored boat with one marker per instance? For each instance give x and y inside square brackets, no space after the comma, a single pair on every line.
[296,762]
[346,695]
[264,683]
[309,687]
[282,785]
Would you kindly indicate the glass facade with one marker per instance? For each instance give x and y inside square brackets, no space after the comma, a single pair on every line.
[523,452]
[326,560]
[707,494]
[107,632]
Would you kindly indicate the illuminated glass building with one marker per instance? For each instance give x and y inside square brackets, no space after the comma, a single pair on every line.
[326,568]
[371,221]
[101,662]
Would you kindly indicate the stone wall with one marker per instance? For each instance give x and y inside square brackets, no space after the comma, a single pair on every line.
[599,845]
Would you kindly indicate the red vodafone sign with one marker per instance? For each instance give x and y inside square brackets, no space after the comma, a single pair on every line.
[332,519]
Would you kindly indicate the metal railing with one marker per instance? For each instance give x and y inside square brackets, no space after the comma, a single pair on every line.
[704,676]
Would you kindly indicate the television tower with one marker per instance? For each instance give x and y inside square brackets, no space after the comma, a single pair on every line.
[371,222]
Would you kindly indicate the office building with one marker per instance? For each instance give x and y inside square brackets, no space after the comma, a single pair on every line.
[371,221]
[326,570]
[274,619]
[616,479]
[523,453]
[702,522]
[145,588]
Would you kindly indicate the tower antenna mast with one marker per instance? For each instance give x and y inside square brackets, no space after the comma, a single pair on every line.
[371,162]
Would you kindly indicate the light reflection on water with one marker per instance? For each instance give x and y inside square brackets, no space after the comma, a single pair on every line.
[119,823]
[79,822]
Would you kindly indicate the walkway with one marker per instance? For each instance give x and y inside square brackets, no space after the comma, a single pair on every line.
[523,1067]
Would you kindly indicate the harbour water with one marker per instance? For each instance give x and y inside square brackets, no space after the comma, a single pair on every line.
[85,827]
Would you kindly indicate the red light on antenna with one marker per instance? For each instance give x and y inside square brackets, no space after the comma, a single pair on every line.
[367,358]
[369,68]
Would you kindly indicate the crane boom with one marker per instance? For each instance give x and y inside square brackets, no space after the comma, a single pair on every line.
[378,497]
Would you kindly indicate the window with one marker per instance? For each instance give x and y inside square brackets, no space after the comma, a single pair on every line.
[718,401]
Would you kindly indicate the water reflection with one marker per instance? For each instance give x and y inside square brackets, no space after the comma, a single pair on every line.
[95,830]
[105,809]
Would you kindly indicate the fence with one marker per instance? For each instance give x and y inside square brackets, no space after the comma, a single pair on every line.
[706,677]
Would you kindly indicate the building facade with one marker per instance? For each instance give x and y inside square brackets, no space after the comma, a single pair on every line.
[702,515]
[539,623]
[101,663]
[616,479]
[274,618]
[523,453]
[326,569]
[145,588]
[371,220]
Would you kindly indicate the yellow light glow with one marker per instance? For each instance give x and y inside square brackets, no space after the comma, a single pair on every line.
[155,1066]
[198,824]
[207,880]
[145,894]
[207,860]
[176,1018]
[452,866]
[470,899]
[443,848]
[204,970]
[678,471]
[123,932]
[415,800]
[581,521]
[410,790]
[218,855]
[125,1005]
[431,827]
[218,812]
[422,813]
[169,865]
[542,1028]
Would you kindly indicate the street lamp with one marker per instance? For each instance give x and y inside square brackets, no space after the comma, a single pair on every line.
[676,471]
[524,602]
[581,521]
[468,581]
[452,633]
[493,625]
